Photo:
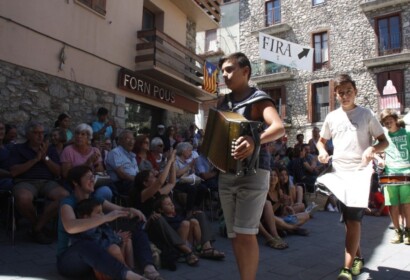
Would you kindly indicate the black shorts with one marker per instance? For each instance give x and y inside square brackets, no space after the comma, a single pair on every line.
[350,213]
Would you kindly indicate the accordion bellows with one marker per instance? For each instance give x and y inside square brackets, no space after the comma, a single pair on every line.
[222,130]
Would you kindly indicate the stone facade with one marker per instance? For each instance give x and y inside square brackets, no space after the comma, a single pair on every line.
[28,95]
[351,40]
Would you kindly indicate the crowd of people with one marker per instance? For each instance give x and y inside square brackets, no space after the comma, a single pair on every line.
[93,176]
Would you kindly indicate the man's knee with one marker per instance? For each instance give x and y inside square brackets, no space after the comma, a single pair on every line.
[57,193]
[23,197]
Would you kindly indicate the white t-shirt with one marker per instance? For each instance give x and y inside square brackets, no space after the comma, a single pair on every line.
[352,133]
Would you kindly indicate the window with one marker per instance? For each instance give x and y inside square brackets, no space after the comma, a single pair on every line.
[317,2]
[390,85]
[272,9]
[210,40]
[278,95]
[321,54]
[148,19]
[388,30]
[321,100]
[97,5]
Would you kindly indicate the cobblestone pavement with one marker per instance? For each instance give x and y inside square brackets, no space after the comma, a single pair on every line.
[318,256]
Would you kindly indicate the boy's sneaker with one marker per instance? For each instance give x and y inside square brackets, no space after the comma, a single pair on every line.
[406,236]
[397,237]
[357,266]
[345,274]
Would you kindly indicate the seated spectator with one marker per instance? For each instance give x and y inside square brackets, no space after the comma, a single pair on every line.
[207,172]
[285,217]
[145,159]
[79,259]
[119,245]
[160,132]
[63,121]
[157,151]
[35,165]
[104,126]
[81,152]
[122,164]
[11,135]
[267,228]
[298,167]
[291,195]
[58,139]
[169,139]
[6,181]
[299,141]
[148,187]
[313,141]
[185,171]
[196,234]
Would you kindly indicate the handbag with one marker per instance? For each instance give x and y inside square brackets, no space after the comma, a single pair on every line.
[190,179]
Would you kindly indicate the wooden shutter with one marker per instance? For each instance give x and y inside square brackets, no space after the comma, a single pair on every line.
[310,103]
[283,97]
[332,97]
[396,77]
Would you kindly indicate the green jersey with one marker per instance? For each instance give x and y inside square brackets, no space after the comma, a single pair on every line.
[398,152]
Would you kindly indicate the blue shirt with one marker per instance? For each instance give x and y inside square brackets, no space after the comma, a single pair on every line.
[22,153]
[119,157]
[63,237]
[96,125]
[4,158]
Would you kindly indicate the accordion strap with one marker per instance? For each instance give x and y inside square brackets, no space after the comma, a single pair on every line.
[251,101]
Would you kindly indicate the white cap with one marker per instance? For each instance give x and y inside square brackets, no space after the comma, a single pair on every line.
[160,126]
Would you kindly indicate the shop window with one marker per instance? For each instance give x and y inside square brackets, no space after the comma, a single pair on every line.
[389,35]
[390,85]
[321,53]
[141,117]
[273,13]
[321,100]
[97,5]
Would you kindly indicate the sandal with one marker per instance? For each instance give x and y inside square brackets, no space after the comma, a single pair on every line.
[212,254]
[191,259]
[277,243]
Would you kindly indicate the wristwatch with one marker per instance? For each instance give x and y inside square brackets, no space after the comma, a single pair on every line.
[46,158]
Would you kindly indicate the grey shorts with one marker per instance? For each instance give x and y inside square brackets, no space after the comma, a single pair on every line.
[242,200]
[36,187]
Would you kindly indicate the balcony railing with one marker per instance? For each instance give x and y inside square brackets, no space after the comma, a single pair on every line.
[166,60]
[383,52]
[205,13]
[269,22]
[395,101]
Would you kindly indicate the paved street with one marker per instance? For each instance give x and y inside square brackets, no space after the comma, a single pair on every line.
[318,256]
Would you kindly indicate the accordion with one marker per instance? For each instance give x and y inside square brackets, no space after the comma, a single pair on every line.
[221,131]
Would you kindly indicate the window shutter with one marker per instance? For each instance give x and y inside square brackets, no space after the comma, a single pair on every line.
[283,97]
[397,78]
[332,98]
[381,81]
[309,103]
[100,6]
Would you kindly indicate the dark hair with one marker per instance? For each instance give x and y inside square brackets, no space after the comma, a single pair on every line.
[61,133]
[141,178]
[343,79]
[85,207]
[300,134]
[285,187]
[158,202]
[240,58]
[102,111]
[76,173]
[60,118]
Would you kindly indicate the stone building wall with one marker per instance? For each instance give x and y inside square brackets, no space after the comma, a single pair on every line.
[28,95]
[351,39]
